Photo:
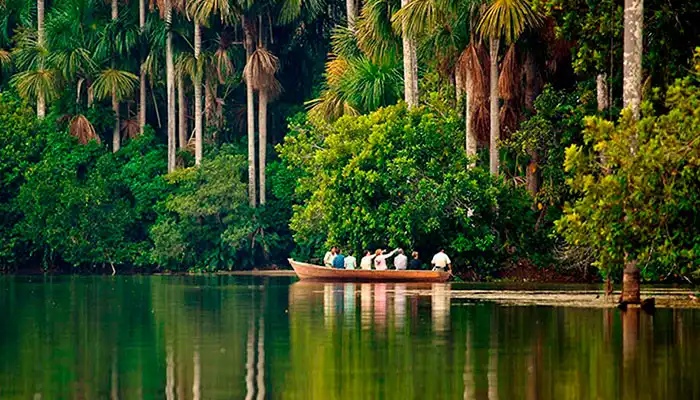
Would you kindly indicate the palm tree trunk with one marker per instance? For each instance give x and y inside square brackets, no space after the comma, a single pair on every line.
[459,89]
[632,56]
[142,79]
[262,141]
[410,66]
[116,139]
[182,111]
[469,116]
[170,86]
[249,41]
[351,8]
[601,82]
[40,101]
[495,130]
[197,97]
[631,98]
[116,142]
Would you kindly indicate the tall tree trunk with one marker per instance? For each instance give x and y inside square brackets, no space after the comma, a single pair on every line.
[351,8]
[170,86]
[495,128]
[632,97]
[602,96]
[249,42]
[142,72]
[632,56]
[116,142]
[40,101]
[182,111]
[459,89]
[208,101]
[469,116]
[532,89]
[197,97]
[410,66]
[262,141]
[116,137]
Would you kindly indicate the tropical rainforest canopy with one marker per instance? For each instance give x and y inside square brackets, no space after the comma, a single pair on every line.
[210,135]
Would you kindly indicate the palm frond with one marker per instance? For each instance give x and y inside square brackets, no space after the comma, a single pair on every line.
[508,19]
[73,62]
[472,65]
[5,60]
[130,128]
[202,10]
[344,42]
[82,129]
[31,83]
[28,54]
[330,106]
[261,69]
[376,38]
[292,9]
[368,85]
[121,83]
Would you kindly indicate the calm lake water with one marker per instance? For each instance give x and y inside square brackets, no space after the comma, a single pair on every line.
[253,338]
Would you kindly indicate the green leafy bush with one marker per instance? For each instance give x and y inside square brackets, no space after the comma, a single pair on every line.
[640,188]
[400,178]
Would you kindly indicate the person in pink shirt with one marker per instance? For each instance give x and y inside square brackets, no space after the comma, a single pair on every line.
[380,259]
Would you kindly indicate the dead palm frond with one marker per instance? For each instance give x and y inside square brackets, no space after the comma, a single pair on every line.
[82,129]
[5,59]
[509,88]
[261,69]
[472,66]
[130,128]
[336,67]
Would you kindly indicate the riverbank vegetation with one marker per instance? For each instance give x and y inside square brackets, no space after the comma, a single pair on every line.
[205,136]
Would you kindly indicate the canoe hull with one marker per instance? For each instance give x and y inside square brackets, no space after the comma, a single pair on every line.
[312,272]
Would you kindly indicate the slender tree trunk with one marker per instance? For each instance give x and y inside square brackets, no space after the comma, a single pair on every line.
[208,102]
[197,97]
[116,137]
[262,141]
[632,57]
[182,111]
[116,143]
[632,97]
[410,66]
[249,42]
[459,89]
[494,134]
[170,86]
[602,92]
[469,116]
[532,89]
[40,101]
[142,72]
[351,7]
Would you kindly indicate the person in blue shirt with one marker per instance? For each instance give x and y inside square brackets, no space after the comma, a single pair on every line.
[339,260]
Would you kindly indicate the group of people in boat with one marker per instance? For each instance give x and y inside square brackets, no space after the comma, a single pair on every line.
[335,258]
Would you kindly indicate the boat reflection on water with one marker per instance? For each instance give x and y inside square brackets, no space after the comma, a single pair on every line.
[379,303]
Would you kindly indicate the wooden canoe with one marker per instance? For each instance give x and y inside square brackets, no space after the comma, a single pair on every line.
[318,273]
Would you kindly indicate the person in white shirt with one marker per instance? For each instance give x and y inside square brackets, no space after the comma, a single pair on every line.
[350,262]
[441,261]
[366,261]
[400,261]
[328,258]
[380,259]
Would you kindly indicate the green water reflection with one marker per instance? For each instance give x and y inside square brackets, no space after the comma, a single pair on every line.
[253,338]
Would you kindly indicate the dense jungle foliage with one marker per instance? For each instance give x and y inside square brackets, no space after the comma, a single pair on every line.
[217,135]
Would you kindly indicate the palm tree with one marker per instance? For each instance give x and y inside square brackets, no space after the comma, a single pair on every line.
[250,111]
[504,19]
[170,84]
[142,70]
[116,142]
[632,98]
[197,82]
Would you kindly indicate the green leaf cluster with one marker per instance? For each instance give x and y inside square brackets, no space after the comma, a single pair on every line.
[639,188]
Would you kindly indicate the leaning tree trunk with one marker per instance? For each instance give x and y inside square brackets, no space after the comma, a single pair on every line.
[197,97]
[495,127]
[262,145]
[170,86]
[142,77]
[410,66]
[351,8]
[602,92]
[40,100]
[116,139]
[249,41]
[632,97]
[182,111]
